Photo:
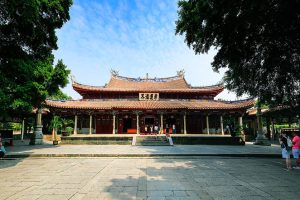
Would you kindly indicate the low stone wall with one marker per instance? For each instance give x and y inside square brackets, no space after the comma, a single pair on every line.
[177,140]
[208,140]
[96,140]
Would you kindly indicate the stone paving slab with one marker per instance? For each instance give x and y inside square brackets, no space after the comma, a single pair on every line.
[209,178]
[48,150]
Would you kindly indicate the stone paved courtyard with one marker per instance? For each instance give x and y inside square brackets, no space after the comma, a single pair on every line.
[50,150]
[147,178]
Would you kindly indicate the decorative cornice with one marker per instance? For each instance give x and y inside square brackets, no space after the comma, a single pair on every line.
[114,72]
[181,73]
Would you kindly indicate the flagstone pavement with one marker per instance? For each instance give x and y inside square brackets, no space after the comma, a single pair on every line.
[213,172]
[48,150]
[177,178]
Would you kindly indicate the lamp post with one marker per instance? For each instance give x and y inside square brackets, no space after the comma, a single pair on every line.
[260,138]
[37,137]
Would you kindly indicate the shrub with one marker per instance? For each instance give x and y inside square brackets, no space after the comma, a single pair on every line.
[68,131]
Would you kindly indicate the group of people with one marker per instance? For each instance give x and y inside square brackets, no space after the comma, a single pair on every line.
[152,129]
[290,146]
[2,149]
[173,129]
[155,129]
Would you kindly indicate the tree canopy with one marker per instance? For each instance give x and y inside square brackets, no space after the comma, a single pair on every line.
[257,42]
[27,38]
[59,96]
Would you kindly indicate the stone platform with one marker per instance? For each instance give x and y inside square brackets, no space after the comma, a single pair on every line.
[22,149]
[103,139]
[126,139]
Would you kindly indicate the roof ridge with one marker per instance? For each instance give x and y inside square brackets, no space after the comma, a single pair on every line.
[94,86]
[155,79]
[209,86]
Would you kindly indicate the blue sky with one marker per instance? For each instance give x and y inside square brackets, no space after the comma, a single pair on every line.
[132,37]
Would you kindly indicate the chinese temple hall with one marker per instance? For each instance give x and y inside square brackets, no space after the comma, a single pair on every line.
[145,105]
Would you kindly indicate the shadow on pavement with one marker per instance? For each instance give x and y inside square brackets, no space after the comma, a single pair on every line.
[148,178]
[205,178]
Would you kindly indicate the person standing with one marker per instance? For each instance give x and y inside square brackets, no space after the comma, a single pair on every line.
[148,128]
[167,129]
[2,149]
[156,129]
[295,149]
[173,129]
[285,150]
[227,130]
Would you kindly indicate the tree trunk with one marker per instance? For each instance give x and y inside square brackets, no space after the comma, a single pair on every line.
[268,128]
[53,134]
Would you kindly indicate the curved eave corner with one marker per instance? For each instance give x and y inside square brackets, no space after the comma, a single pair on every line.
[214,89]
[245,104]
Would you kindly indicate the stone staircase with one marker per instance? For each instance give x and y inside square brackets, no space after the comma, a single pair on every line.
[151,141]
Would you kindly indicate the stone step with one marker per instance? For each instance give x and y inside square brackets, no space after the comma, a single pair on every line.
[151,141]
[155,139]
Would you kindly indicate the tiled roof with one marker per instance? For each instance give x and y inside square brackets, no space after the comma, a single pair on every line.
[253,112]
[153,105]
[176,84]
[44,110]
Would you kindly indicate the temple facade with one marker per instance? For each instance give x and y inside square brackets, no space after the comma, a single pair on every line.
[145,105]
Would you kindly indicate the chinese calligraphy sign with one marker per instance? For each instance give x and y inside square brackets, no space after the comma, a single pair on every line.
[148,96]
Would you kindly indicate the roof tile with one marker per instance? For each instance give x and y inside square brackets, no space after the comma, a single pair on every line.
[175,84]
[153,105]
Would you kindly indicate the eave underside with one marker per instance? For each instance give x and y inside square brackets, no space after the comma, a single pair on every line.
[150,105]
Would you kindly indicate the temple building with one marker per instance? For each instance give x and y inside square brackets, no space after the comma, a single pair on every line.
[137,105]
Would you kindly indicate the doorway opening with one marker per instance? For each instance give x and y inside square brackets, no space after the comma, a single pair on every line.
[149,120]
[127,123]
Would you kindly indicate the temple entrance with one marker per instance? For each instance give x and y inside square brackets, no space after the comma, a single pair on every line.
[170,122]
[127,124]
[149,124]
[149,121]
[104,124]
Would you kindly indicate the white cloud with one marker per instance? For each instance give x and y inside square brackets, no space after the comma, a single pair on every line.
[134,38]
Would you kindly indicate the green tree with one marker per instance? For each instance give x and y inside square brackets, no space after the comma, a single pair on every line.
[59,96]
[27,38]
[257,42]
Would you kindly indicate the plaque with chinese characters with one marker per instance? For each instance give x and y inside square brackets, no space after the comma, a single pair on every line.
[148,96]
